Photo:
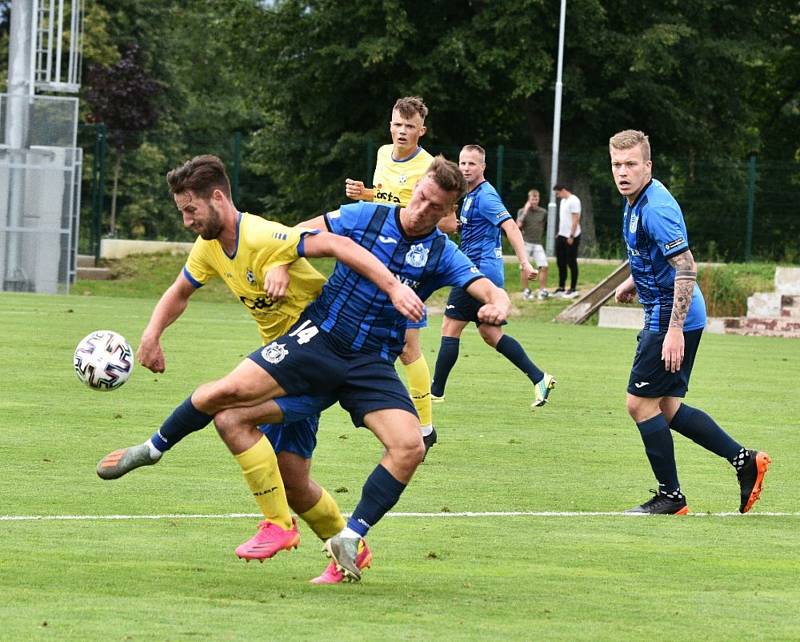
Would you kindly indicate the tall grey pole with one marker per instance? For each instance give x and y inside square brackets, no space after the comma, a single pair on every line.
[551,205]
[20,89]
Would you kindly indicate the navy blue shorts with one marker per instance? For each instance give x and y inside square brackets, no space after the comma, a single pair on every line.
[648,376]
[463,307]
[299,437]
[307,362]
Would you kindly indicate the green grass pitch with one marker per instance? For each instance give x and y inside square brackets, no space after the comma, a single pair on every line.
[451,563]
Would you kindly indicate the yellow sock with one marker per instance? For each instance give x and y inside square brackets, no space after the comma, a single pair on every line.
[419,385]
[324,517]
[260,470]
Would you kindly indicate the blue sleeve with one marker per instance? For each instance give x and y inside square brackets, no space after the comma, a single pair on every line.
[493,209]
[665,225]
[455,269]
[301,250]
[344,220]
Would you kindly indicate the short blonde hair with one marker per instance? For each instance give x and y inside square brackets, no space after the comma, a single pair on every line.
[476,148]
[630,138]
[531,192]
[447,176]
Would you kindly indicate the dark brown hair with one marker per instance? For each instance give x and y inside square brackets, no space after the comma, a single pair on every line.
[202,174]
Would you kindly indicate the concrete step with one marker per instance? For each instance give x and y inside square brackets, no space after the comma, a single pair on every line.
[86,260]
[93,273]
[763,326]
[787,280]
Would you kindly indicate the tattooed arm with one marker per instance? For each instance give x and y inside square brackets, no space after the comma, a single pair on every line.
[685,277]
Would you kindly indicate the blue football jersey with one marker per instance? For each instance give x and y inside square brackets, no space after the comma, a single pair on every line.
[654,230]
[482,213]
[352,309]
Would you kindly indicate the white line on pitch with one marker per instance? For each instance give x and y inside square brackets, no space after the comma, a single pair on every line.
[50,518]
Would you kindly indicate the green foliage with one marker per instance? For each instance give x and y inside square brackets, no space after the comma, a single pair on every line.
[309,83]
[726,288]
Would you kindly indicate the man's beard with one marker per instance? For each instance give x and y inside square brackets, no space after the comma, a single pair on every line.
[213,226]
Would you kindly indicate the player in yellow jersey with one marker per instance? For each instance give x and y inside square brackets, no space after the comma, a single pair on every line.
[398,168]
[243,250]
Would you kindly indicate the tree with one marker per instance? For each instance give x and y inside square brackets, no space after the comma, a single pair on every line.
[122,96]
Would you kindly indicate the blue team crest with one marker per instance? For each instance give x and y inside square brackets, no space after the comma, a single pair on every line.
[634,222]
[417,256]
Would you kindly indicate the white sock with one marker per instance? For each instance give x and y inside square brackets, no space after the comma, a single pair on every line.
[155,453]
[426,430]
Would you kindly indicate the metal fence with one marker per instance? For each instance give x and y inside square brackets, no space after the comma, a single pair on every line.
[736,209]
[40,181]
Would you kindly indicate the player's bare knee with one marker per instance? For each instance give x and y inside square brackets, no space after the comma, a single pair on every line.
[226,424]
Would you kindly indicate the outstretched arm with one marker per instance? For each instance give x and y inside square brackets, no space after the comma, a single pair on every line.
[357,258]
[171,305]
[685,277]
[515,238]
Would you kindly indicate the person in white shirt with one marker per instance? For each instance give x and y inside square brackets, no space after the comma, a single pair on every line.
[568,240]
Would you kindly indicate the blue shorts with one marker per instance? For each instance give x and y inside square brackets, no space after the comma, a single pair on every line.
[299,437]
[648,376]
[422,323]
[308,362]
[463,307]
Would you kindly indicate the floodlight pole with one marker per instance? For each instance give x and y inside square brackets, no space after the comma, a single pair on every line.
[551,205]
[20,89]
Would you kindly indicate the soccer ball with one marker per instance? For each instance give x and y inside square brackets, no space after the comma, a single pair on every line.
[103,360]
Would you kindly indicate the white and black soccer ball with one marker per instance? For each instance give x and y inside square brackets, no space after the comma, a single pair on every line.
[103,360]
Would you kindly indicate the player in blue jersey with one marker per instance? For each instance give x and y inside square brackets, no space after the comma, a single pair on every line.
[663,276]
[344,346]
[245,251]
[482,217]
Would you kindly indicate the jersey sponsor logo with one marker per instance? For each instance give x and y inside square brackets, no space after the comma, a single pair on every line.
[673,244]
[633,223]
[417,256]
[502,214]
[641,384]
[387,197]
[275,352]
[251,279]
[406,281]
[387,239]
[259,303]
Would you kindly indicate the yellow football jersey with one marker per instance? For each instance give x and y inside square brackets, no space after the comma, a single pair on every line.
[394,180]
[260,246]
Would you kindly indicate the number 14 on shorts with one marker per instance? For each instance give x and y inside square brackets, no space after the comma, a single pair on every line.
[305,332]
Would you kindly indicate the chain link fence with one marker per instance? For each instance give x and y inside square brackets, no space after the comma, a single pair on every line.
[735,209]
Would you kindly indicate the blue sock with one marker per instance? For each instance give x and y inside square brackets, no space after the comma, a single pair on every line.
[704,431]
[660,451]
[445,360]
[511,349]
[381,491]
[184,420]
